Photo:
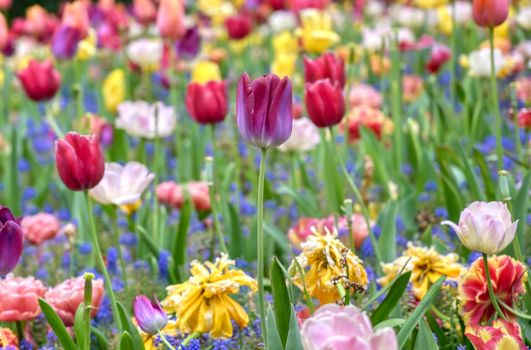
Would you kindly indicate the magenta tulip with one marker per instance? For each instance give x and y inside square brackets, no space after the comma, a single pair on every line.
[11,241]
[150,316]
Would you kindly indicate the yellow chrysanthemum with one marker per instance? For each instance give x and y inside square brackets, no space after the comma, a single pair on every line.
[204,71]
[203,303]
[113,90]
[284,65]
[426,264]
[323,258]
[284,43]
[87,47]
[316,31]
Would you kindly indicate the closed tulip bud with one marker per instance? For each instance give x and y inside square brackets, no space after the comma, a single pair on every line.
[485,227]
[238,26]
[440,54]
[328,66]
[79,161]
[264,110]
[65,42]
[170,19]
[145,11]
[490,13]
[324,103]
[150,316]
[11,241]
[40,80]
[207,103]
[188,47]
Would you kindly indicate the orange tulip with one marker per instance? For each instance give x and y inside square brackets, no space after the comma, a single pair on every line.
[490,13]
[170,19]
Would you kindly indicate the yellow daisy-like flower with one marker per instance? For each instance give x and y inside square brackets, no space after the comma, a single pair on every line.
[113,90]
[204,71]
[203,303]
[326,261]
[426,264]
[316,31]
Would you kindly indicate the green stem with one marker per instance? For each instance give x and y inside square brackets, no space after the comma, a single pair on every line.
[99,259]
[189,338]
[87,304]
[514,311]
[20,330]
[492,296]
[260,245]
[307,296]
[495,102]
[165,341]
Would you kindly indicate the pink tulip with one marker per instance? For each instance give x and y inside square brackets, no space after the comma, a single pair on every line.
[66,297]
[40,227]
[170,19]
[19,298]
[144,11]
[344,328]
[5,4]
[4,32]
[173,194]
[490,13]
[363,94]
[359,228]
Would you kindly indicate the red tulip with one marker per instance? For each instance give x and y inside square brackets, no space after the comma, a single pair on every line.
[170,19]
[79,161]
[207,103]
[490,13]
[238,26]
[324,102]
[328,66]
[440,54]
[40,80]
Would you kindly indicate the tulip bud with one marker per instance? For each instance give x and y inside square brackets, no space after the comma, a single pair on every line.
[207,103]
[485,227]
[65,41]
[328,66]
[150,316]
[170,19]
[264,110]
[490,13]
[440,54]
[188,47]
[238,26]
[40,80]
[11,241]
[79,161]
[324,102]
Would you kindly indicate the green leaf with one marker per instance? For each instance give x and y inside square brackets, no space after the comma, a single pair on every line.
[101,340]
[79,325]
[418,312]
[129,327]
[441,336]
[425,340]
[57,325]
[273,339]
[179,245]
[520,207]
[387,241]
[294,335]
[148,241]
[281,300]
[126,341]
[485,174]
[471,177]
[306,207]
[452,196]
[277,235]
[236,234]
[392,298]
[392,322]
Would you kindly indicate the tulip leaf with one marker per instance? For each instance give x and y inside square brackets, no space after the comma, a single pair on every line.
[79,324]
[418,312]
[57,325]
[425,339]
[273,339]
[129,327]
[179,245]
[387,241]
[148,241]
[303,204]
[281,300]
[439,333]
[126,341]
[471,177]
[392,299]
[485,174]
[294,335]
[236,234]
[277,235]
[520,206]
[101,340]
[392,322]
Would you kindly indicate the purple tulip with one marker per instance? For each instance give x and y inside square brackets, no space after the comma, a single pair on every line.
[188,47]
[149,315]
[11,241]
[65,41]
[264,110]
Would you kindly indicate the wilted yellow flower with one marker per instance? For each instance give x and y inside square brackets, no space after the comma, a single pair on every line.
[284,65]
[284,44]
[316,32]
[87,47]
[204,71]
[113,89]
[322,259]
[426,264]
[202,304]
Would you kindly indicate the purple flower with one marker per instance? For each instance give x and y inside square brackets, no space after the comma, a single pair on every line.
[64,42]
[149,315]
[188,47]
[264,110]
[11,241]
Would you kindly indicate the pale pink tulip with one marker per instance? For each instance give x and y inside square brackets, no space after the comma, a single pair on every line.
[40,227]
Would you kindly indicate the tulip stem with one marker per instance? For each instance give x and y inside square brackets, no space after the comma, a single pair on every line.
[99,258]
[359,198]
[492,296]
[20,330]
[87,305]
[165,341]
[260,245]
[495,102]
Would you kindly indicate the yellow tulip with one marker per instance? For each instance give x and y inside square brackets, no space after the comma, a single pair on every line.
[284,44]
[429,4]
[444,22]
[316,32]
[113,90]
[204,71]
[87,47]
[284,65]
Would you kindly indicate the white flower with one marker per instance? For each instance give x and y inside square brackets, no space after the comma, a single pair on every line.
[479,62]
[122,184]
[146,53]
[282,20]
[138,119]
[408,16]
[304,137]
[463,11]
[523,17]
[374,8]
